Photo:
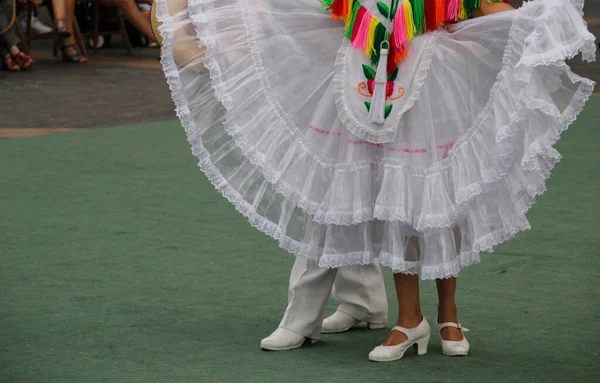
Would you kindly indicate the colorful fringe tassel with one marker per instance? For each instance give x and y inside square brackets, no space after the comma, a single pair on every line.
[409,19]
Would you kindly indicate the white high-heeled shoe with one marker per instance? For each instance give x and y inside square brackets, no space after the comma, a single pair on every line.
[283,340]
[452,347]
[339,321]
[417,337]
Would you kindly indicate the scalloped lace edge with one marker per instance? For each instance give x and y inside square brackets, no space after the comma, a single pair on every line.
[486,243]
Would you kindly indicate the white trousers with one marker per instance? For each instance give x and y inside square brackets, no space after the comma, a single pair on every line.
[360,291]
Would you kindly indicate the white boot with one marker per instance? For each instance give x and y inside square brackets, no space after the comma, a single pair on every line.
[417,337]
[339,321]
[282,340]
[451,347]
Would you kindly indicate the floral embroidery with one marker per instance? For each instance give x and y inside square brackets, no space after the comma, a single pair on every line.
[369,86]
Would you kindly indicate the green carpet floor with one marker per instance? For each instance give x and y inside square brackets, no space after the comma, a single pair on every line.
[120,263]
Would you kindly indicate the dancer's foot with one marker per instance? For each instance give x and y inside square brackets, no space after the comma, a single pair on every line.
[397,337]
[339,321]
[448,314]
[417,337]
[454,347]
[283,340]
[453,340]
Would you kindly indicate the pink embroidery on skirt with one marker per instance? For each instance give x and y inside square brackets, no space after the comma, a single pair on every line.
[446,147]
[337,134]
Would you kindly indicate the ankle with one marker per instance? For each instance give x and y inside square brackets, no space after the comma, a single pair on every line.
[68,41]
[409,320]
[447,312]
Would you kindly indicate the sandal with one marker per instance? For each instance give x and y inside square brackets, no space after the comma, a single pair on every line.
[9,64]
[74,58]
[61,29]
[24,61]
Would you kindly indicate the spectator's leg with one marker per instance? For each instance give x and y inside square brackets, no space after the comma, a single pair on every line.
[59,7]
[8,39]
[70,51]
[134,16]
[11,56]
[63,29]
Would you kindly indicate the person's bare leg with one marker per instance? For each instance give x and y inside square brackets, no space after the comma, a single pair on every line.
[135,16]
[70,44]
[69,10]
[409,306]
[59,7]
[447,308]
[70,14]
[489,8]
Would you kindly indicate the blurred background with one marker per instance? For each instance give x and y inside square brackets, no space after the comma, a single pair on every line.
[118,79]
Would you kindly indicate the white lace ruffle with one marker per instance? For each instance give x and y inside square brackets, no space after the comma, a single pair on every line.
[264,164]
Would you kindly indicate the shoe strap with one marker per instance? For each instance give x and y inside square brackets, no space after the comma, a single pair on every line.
[401,329]
[452,324]
[409,332]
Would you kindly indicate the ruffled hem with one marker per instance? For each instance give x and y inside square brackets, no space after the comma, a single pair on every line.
[537,158]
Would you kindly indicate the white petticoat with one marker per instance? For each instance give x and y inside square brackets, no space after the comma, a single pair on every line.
[478,107]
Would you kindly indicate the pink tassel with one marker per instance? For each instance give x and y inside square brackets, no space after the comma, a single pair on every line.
[363,31]
[399,33]
[452,10]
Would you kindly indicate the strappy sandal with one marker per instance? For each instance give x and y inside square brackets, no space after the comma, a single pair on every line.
[74,58]
[61,29]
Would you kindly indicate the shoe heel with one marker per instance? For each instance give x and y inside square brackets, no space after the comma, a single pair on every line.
[420,346]
[376,326]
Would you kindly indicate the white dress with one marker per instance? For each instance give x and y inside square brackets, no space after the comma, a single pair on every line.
[280,126]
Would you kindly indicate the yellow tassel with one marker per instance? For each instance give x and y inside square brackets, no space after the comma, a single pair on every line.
[369,48]
[348,7]
[411,30]
[462,13]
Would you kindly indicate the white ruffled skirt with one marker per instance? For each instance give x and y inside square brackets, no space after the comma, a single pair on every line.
[278,123]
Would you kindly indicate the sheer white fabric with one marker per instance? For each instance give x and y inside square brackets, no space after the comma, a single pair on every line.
[279,126]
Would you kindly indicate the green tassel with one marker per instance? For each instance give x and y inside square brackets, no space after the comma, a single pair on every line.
[327,3]
[471,6]
[350,28]
[394,8]
[383,9]
[381,35]
[418,8]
